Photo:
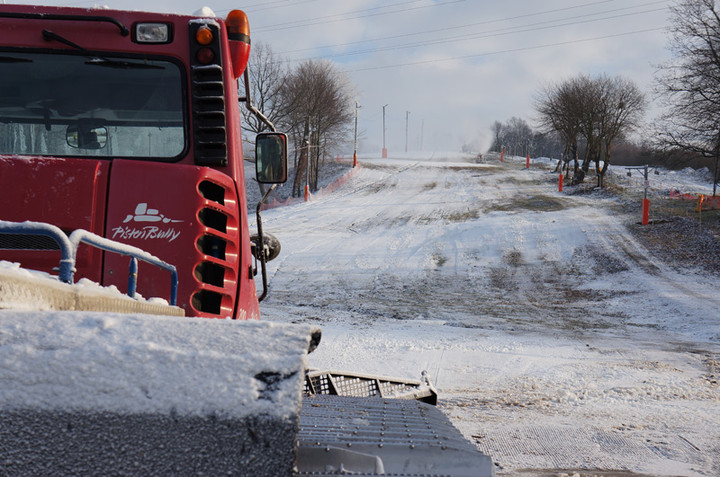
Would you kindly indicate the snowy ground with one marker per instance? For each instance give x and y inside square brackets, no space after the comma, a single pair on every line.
[555,339]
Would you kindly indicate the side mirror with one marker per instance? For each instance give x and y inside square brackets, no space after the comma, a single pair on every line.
[271,158]
[86,137]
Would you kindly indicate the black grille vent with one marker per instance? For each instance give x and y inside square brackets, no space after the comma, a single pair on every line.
[27,242]
[209,116]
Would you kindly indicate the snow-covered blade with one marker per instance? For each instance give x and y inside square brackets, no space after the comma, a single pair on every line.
[100,394]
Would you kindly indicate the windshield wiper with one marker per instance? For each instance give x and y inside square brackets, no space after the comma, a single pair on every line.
[75,18]
[50,36]
[98,60]
[11,59]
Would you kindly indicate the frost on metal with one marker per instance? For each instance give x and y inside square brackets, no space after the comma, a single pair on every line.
[97,392]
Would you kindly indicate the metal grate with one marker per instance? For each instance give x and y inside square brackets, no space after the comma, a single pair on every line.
[401,437]
[27,242]
[359,385]
[209,116]
[208,110]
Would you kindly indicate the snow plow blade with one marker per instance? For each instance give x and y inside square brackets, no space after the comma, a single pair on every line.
[98,394]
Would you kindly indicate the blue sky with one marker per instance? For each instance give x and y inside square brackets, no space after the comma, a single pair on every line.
[455,65]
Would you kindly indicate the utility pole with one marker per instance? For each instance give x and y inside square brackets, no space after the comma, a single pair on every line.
[407,118]
[384,149]
[715,173]
[357,106]
[646,184]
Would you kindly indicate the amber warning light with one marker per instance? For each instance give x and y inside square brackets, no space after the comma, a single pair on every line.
[204,36]
[238,32]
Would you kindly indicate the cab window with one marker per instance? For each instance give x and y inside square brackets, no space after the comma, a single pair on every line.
[76,104]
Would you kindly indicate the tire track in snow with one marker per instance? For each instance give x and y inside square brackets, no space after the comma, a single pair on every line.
[612,236]
[600,406]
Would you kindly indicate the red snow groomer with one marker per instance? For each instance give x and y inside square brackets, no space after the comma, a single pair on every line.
[126,126]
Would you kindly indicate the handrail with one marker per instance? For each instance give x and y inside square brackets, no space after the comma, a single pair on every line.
[80,235]
[67,259]
[69,246]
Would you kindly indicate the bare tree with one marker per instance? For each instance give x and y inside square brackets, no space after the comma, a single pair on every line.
[497,130]
[267,76]
[559,111]
[620,105]
[515,135]
[317,102]
[599,110]
[690,83]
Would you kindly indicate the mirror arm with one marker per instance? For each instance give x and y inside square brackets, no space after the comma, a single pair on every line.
[250,107]
[261,238]
[261,242]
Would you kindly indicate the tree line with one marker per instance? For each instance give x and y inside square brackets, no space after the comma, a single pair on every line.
[311,101]
[584,119]
[518,138]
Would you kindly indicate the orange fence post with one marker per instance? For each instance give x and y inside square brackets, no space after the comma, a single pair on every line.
[646,211]
[307,192]
[527,161]
[701,197]
[502,154]
[560,183]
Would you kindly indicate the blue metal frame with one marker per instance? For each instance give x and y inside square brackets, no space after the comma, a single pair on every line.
[69,246]
[67,259]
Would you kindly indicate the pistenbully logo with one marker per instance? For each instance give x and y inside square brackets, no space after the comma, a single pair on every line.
[143,214]
[147,232]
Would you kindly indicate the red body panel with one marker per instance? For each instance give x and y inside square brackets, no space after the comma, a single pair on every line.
[179,212]
[68,193]
[181,228]
[18,32]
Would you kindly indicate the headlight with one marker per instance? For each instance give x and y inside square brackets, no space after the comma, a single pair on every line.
[152,33]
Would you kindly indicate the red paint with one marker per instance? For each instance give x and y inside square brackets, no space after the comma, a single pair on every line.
[645,211]
[68,193]
[174,210]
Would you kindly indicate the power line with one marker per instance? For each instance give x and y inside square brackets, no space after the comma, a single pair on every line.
[468,25]
[510,50]
[328,19]
[299,23]
[261,6]
[490,34]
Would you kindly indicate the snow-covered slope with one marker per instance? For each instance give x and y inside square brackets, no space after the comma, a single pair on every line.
[555,339]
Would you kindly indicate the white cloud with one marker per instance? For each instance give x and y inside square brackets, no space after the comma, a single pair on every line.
[457,66]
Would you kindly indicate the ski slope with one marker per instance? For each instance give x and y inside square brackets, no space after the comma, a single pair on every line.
[557,342]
